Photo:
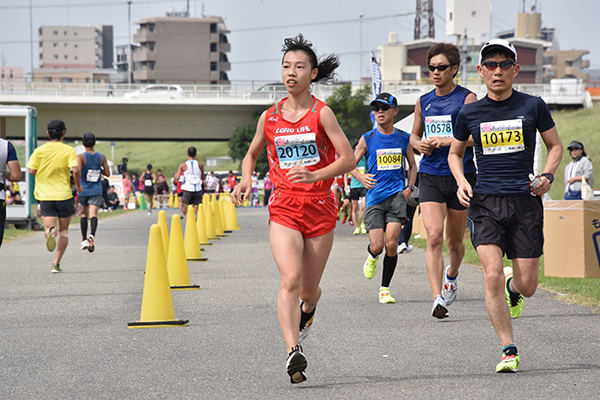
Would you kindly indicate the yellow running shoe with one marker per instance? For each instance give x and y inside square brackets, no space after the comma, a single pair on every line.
[356,231]
[509,363]
[515,302]
[370,267]
[362,228]
[384,296]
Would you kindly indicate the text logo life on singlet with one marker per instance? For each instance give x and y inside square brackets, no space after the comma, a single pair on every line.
[298,149]
[439,126]
[499,137]
[388,159]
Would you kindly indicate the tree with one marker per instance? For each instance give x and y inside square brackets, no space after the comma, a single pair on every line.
[350,110]
[240,143]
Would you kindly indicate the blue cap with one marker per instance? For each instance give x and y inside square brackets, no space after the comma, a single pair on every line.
[386,98]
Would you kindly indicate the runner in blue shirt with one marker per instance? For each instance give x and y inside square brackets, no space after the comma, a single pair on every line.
[435,116]
[385,149]
[8,157]
[505,206]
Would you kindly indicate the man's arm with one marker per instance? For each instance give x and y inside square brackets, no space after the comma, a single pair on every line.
[105,169]
[14,173]
[555,152]
[455,162]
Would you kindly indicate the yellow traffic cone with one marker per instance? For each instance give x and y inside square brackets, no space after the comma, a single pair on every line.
[157,301]
[191,242]
[179,275]
[217,214]
[170,203]
[176,202]
[210,221]
[230,214]
[220,203]
[164,230]
[201,227]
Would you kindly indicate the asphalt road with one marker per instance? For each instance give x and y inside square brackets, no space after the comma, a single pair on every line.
[65,336]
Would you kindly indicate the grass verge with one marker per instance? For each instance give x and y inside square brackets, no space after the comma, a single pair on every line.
[582,291]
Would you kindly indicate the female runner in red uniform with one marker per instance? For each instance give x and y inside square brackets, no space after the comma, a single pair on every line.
[302,136]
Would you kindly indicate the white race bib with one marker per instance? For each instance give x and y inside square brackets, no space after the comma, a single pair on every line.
[148,182]
[499,137]
[297,150]
[93,175]
[438,126]
[193,179]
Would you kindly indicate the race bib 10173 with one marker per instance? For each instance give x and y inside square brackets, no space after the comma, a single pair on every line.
[500,137]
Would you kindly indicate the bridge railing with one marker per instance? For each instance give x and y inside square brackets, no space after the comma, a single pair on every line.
[565,93]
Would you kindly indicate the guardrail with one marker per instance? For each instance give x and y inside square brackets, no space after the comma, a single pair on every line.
[406,94]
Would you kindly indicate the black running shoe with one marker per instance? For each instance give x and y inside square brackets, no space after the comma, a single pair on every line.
[296,364]
[306,321]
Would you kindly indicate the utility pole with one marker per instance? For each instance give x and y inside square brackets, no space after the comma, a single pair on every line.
[360,17]
[129,55]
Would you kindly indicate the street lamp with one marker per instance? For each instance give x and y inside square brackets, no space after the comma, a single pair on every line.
[129,47]
[360,17]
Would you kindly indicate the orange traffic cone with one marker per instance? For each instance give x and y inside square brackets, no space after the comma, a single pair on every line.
[231,221]
[157,302]
[179,275]
[201,226]
[164,230]
[191,242]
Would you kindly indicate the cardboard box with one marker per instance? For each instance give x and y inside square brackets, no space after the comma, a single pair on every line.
[572,238]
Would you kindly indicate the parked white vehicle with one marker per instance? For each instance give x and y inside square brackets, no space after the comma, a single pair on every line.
[157,92]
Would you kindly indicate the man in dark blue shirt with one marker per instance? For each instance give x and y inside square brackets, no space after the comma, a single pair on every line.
[505,205]
[8,157]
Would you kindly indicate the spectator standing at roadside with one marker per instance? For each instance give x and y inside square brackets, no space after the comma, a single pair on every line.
[8,157]
[212,183]
[580,167]
[231,181]
[51,164]
[92,165]
[127,191]
[268,188]
[162,188]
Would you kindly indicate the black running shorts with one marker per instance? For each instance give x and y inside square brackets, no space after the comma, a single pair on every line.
[513,223]
[442,189]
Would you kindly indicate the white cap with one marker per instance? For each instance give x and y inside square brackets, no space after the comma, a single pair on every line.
[495,43]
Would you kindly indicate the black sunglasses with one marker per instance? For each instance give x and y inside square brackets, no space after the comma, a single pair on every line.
[492,65]
[382,108]
[439,67]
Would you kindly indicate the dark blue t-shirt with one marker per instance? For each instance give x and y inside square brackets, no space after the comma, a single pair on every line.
[439,119]
[504,133]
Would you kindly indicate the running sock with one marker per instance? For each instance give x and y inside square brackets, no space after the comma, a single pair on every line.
[369,250]
[389,267]
[94,225]
[304,316]
[510,350]
[451,279]
[84,224]
[514,297]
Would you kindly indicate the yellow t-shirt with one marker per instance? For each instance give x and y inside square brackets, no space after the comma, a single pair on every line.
[53,162]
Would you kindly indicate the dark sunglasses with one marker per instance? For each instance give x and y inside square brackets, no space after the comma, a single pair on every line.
[439,67]
[492,65]
[382,108]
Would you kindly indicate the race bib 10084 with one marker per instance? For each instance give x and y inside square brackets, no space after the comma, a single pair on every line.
[438,126]
[297,150]
[499,137]
[389,159]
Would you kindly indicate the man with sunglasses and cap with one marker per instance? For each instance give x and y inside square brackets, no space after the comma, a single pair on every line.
[505,206]
[385,149]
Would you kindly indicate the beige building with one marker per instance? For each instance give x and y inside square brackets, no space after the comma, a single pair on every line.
[11,79]
[76,47]
[73,75]
[565,64]
[181,50]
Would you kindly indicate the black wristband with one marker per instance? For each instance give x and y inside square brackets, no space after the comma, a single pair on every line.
[548,176]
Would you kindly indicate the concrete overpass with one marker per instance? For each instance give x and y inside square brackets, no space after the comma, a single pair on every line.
[205,112]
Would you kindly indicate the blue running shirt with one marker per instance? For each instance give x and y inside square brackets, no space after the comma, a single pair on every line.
[385,160]
[439,119]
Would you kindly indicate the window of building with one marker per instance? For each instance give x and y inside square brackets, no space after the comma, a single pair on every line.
[213,65]
[55,44]
[65,44]
[224,57]
[223,39]
[450,17]
[76,46]
[65,33]
[66,80]
[213,47]
[55,32]
[11,73]
[224,76]
[409,76]
[2,74]
[87,80]
[77,58]
[75,33]
[473,14]
[213,28]
[66,57]
[56,56]
[550,72]
[47,79]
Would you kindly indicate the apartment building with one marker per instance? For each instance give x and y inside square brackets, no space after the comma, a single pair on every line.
[181,50]
[76,47]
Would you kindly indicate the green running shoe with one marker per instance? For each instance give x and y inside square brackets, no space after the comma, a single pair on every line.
[370,267]
[509,363]
[55,268]
[515,303]
[385,297]
[357,231]
[51,240]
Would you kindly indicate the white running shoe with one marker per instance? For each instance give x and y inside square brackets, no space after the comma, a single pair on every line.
[403,248]
[449,287]
[84,245]
[439,309]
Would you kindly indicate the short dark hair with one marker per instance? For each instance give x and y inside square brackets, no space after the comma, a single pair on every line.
[447,49]
[149,167]
[326,65]
[191,151]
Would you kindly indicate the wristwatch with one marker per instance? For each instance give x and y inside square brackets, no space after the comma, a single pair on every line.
[412,188]
[548,176]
